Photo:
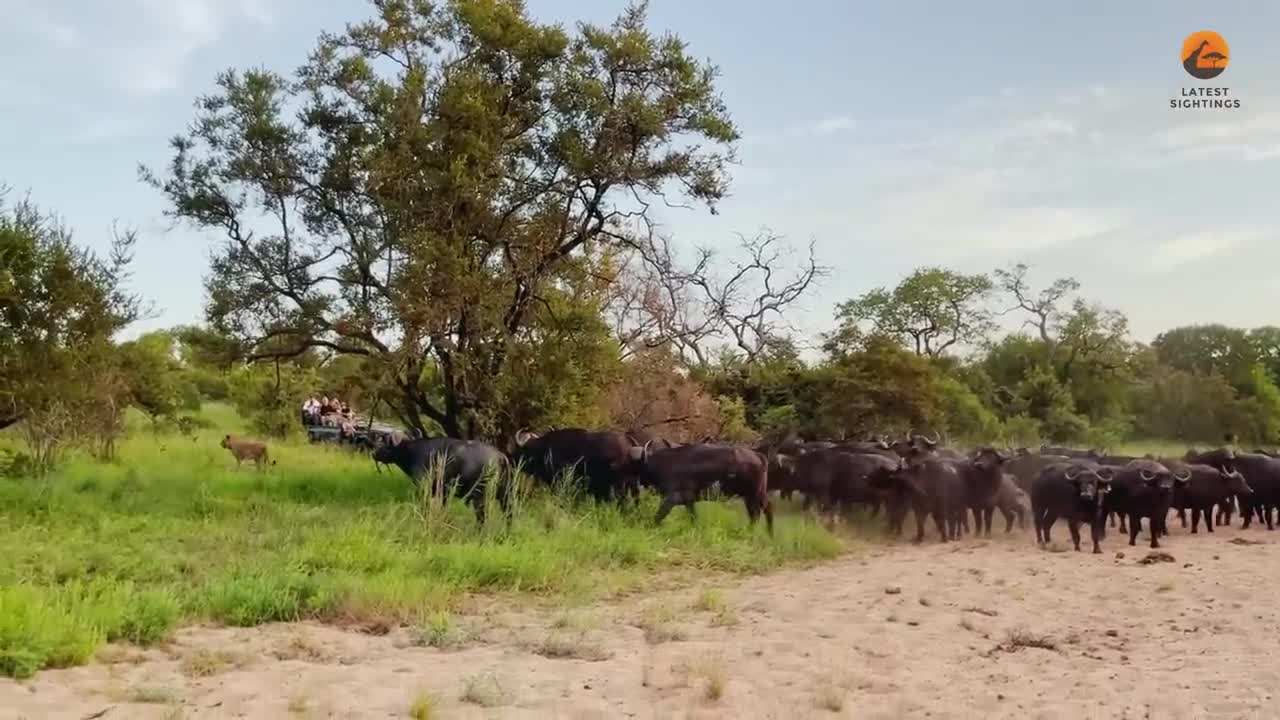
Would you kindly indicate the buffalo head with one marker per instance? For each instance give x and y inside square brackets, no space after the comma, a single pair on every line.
[523,436]
[1156,475]
[988,458]
[1091,483]
[1235,482]
[640,453]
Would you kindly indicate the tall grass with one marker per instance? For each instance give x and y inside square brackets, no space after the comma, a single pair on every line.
[171,533]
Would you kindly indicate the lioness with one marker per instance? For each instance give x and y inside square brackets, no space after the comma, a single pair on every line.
[243,450]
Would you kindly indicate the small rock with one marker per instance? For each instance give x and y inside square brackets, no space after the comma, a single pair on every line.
[586,686]
[893,590]
[1112,633]
[1124,658]
[925,602]
[1119,556]
[913,623]
[1000,696]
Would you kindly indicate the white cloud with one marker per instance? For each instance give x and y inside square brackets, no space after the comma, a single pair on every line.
[175,31]
[107,127]
[818,128]
[37,21]
[1199,245]
[833,125]
[142,47]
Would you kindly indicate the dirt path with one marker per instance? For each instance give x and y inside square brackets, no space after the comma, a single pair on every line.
[892,632]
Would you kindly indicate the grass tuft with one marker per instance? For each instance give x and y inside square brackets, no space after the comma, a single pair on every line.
[659,625]
[206,663]
[439,633]
[561,645]
[423,706]
[715,677]
[485,690]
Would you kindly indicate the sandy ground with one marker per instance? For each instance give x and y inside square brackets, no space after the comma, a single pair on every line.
[936,631]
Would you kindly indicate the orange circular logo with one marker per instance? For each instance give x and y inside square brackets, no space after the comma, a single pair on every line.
[1205,55]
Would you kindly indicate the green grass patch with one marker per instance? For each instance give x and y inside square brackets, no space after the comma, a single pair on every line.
[171,533]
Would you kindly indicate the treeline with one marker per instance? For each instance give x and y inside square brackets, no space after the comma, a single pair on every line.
[443,217]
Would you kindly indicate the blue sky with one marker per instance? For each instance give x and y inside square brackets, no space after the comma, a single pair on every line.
[894,134]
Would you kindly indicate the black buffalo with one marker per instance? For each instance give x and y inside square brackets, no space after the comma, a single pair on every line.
[1076,490]
[927,486]
[1025,468]
[1262,472]
[839,478]
[682,474]
[467,466]
[983,476]
[1143,489]
[1209,487]
[600,462]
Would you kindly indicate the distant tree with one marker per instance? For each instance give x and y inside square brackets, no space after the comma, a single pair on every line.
[712,304]
[156,380]
[1184,405]
[60,306]
[880,387]
[1205,349]
[1043,306]
[437,184]
[654,393]
[931,311]
[1266,341]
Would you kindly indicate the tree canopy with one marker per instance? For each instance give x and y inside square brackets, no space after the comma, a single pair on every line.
[441,183]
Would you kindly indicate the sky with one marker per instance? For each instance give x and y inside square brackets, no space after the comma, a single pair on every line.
[892,134]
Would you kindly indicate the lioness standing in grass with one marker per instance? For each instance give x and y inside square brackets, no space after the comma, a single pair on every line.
[243,450]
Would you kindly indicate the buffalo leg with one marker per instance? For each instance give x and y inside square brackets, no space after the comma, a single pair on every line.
[1123,529]
[664,510]
[1208,517]
[940,521]
[920,517]
[1049,519]
[1008,520]
[1097,529]
[1112,517]
[1074,526]
[1270,511]
[987,513]
[754,507]
[1196,512]
[1182,516]
[1135,526]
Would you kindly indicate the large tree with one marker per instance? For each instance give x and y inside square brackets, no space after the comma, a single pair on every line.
[436,187]
[60,306]
[932,310]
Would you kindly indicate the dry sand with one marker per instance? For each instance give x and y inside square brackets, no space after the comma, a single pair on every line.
[936,631]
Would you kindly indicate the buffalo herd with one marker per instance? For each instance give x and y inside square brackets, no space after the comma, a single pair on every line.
[911,475]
